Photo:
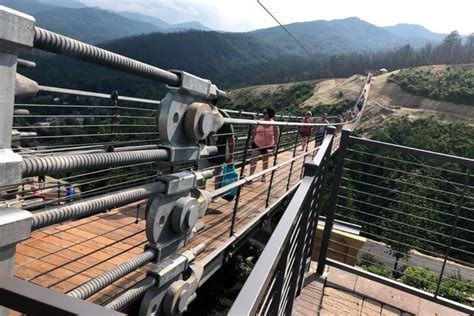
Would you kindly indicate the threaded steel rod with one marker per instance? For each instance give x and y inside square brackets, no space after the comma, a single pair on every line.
[26,63]
[132,293]
[60,44]
[33,166]
[96,284]
[95,204]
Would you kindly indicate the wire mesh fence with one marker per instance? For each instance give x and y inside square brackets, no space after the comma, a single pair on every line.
[415,210]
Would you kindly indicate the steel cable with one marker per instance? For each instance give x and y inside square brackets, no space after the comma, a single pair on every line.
[33,166]
[60,44]
[95,204]
[96,284]
[132,293]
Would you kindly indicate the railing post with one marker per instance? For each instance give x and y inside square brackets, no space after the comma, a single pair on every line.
[267,202]
[315,145]
[15,226]
[320,185]
[113,128]
[332,201]
[293,162]
[242,170]
[59,192]
[453,230]
[304,160]
[279,281]
[16,35]
[297,270]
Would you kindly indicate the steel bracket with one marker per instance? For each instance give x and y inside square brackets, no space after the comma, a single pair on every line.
[179,182]
[168,272]
[183,120]
[172,217]
[195,85]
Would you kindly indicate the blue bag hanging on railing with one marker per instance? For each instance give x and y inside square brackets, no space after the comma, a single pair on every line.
[229,175]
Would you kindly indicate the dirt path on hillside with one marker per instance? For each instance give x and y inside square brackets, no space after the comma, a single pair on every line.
[387,101]
[335,90]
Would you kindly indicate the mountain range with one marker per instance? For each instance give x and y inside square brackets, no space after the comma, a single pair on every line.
[345,36]
[95,25]
[230,59]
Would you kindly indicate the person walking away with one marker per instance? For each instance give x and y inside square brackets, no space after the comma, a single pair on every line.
[321,130]
[225,142]
[305,131]
[339,120]
[264,139]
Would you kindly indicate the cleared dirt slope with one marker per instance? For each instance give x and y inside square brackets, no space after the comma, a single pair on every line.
[335,90]
[387,101]
[326,91]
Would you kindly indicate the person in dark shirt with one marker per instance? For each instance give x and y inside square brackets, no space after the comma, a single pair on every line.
[321,130]
[225,142]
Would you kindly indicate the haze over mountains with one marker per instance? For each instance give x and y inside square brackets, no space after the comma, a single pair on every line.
[94,25]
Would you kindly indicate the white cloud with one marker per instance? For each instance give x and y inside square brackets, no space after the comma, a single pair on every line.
[243,15]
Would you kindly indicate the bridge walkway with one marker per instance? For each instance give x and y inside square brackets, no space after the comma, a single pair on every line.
[65,256]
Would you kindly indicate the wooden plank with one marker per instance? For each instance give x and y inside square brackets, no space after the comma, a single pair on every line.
[67,255]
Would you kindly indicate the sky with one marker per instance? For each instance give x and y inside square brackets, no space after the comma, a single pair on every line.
[441,16]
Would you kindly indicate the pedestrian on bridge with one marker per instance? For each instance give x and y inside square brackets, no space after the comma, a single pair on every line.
[224,140]
[339,120]
[321,130]
[264,139]
[306,131]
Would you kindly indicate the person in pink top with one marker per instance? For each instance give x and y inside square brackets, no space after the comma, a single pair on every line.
[264,139]
[306,131]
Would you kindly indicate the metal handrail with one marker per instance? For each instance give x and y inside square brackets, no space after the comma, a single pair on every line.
[268,267]
[95,94]
[411,231]
[32,299]
[467,162]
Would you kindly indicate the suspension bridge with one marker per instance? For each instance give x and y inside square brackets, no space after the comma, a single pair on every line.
[145,225]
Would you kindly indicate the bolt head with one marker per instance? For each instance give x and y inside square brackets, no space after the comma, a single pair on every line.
[185,214]
[205,124]
[182,302]
[192,216]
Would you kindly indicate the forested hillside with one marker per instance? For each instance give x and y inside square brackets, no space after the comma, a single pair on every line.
[414,31]
[235,60]
[455,84]
[90,24]
[419,208]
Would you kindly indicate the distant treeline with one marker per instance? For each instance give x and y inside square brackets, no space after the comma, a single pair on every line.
[453,50]
[230,65]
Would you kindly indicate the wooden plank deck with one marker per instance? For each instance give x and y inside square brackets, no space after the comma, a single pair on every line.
[343,293]
[65,256]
